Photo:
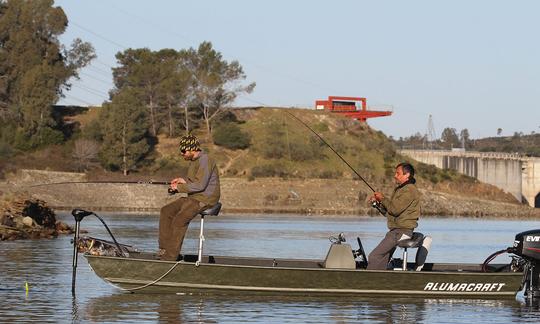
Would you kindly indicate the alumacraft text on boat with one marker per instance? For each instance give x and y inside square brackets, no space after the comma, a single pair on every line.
[450,286]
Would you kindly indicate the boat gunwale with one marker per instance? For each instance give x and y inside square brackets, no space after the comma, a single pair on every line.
[281,268]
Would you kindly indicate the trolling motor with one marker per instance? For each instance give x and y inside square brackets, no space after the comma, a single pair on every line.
[79,214]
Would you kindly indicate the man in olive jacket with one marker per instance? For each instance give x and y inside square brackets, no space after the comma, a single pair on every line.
[402,213]
[202,187]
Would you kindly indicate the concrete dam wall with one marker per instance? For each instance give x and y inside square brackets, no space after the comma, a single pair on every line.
[513,173]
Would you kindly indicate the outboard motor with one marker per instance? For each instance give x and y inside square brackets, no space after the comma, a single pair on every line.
[527,246]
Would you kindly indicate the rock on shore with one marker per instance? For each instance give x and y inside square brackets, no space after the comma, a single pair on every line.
[24,217]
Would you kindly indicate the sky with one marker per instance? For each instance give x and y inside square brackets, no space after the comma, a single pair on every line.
[468,64]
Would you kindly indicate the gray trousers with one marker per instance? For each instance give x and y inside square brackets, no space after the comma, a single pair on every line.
[379,257]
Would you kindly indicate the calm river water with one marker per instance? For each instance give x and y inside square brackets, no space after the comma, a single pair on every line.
[46,266]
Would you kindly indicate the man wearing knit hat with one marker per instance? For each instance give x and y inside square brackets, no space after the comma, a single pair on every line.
[202,188]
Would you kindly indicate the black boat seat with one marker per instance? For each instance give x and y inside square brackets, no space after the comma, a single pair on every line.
[414,242]
[211,211]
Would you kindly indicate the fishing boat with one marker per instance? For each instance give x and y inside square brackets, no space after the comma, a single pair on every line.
[341,272]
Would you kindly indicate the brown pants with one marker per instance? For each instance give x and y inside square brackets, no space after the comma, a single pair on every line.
[379,257]
[174,220]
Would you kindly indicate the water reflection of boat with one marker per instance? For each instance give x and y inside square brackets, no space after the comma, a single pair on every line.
[286,308]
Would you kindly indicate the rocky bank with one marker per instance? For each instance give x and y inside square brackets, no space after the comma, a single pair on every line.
[262,195]
[25,217]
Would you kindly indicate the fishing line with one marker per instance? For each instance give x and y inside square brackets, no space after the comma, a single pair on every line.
[339,155]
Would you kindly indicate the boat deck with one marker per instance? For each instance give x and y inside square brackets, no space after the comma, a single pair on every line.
[319,264]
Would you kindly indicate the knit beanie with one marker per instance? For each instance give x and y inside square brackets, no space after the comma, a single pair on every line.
[189,143]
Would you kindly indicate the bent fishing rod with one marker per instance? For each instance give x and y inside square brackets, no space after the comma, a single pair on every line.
[329,146]
[375,204]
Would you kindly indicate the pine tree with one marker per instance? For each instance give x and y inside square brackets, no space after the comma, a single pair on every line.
[34,66]
[124,129]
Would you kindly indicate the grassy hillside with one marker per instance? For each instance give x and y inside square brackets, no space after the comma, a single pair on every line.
[278,146]
[283,146]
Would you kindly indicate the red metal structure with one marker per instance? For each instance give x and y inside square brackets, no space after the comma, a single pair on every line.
[354,107]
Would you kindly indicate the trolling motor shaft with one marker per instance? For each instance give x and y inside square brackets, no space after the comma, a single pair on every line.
[79,214]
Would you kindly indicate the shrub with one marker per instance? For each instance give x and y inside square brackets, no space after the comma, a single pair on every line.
[273,145]
[268,170]
[5,150]
[320,127]
[330,174]
[93,131]
[305,151]
[231,136]
[48,136]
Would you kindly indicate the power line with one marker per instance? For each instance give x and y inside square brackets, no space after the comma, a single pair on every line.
[151,23]
[91,91]
[99,71]
[103,63]
[97,79]
[69,96]
[99,36]
[252,63]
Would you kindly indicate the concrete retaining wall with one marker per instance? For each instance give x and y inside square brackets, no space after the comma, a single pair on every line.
[499,169]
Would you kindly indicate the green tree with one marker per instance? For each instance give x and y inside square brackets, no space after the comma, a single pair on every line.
[124,128]
[34,67]
[144,70]
[450,138]
[175,90]
[216,81]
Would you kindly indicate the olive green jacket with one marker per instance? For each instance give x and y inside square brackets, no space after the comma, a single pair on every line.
[403,208]
[202,180]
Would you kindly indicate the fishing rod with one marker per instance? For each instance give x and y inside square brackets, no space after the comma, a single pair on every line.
[329,146]
[151,182]
[140,182]
[375,204]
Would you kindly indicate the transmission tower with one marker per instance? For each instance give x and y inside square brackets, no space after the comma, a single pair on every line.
[430,134]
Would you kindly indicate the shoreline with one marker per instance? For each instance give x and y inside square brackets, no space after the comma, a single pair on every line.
[303,197]
[292,214]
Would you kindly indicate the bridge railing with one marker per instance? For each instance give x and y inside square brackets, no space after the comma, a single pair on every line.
[478,154]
